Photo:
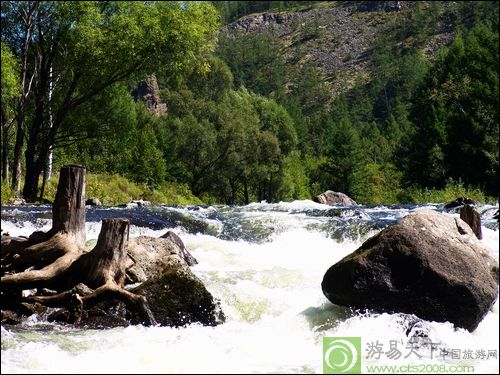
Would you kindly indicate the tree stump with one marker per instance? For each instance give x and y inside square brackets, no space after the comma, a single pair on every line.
[44,253]
[103,269]
[56,260]
[472,217]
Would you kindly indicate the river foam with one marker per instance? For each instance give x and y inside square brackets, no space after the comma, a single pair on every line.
[268,282]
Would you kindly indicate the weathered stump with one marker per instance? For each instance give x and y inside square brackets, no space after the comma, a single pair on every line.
[472,217]
[45,253]
[103,269]
[56,260]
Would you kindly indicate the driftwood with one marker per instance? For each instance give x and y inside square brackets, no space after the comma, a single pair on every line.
[56,260]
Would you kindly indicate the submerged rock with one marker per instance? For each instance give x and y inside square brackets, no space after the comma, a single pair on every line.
[332,197]
[139,203]
[427,264]
[17,201]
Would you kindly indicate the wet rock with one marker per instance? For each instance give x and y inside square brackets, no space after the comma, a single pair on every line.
[11,317]
[178,297]
[183,252]
[93,202]
[139,203]
[459,202]
[427,264]
[332,197]
[151,255]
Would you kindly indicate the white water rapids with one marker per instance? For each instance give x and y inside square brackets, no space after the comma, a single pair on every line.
[265,263]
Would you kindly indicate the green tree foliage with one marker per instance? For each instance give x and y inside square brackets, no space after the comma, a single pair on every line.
[458,113]
[345,156]
[115,136]
[10,90]
[88,46]
[256,61]
[148,165]
[229,144]
[10,80]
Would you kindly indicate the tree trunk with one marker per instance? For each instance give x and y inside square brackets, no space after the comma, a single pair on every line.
[35,149]
[25,87]
[472,217]
[68,211]
[5,146]
[18,149]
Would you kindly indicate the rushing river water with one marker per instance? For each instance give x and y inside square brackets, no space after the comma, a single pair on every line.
[265,263]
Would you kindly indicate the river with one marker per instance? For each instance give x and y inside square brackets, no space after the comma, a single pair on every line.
[265,263]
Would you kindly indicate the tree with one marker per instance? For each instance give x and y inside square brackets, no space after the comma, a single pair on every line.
[85,47]
[18,27]
[148,165]
[103,135]
[344,157]
[457,111]
[10,90]
[256,61]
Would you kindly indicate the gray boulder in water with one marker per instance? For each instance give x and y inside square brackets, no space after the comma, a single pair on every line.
[332,197]
[428,264]
[176,296]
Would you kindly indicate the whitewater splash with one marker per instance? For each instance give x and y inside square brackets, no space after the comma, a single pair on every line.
[265,263]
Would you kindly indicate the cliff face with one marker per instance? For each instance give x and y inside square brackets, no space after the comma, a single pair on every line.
[338,37]
[149,92]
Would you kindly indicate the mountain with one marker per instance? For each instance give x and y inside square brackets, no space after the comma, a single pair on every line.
[340,37]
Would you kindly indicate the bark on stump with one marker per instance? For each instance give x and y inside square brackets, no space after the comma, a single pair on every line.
[472,217]
[44,253]
[103,269]
[56,259]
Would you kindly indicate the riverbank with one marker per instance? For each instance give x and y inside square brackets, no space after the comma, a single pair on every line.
[114,190]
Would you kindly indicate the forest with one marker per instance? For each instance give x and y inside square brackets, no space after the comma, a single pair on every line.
[243,123]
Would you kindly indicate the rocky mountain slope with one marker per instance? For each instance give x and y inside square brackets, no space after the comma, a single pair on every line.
[339,37]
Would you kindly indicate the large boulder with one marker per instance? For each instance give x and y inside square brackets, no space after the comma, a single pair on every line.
[176,296]
[151,255]
[93,202]
[159,270]
[428,264]
[332,197]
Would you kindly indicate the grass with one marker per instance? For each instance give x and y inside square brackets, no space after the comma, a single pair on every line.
[114,190]
[452,191]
